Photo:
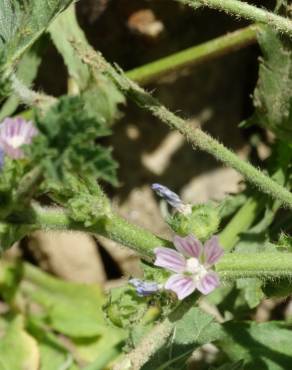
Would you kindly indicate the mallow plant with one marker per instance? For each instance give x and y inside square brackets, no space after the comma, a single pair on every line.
[225,255]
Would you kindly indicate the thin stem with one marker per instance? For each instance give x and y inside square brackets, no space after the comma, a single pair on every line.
[197,54]
[30,97]
[247,214]
[196,136]
[250,12]
[192,56]
[240,222]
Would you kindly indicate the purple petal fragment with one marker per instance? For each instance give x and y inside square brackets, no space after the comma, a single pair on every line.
[212,251]
[144,288]
[169,196]
[15,132]
[189,246]
[1,158]
[182,285]
[208,283]
[169,259]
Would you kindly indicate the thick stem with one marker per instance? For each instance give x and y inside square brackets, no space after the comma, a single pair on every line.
[194,55]
[115,228]
[250,12]
[231,266]
[262,265]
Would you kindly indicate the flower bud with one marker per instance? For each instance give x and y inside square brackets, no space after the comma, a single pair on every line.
[203,221]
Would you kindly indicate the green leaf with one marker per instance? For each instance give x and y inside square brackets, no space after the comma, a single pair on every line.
[252,290]
[18,350]
[69,143]
[278,288]
[84,199]
[194,329]
[53,354]
[91,348]
[273,94]
[63,30]
[26,72]
[72,309]
[100,95]
[259,345]
[21,23]
[238,365]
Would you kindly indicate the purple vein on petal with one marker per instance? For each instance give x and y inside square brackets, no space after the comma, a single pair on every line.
[182,285]
[208,283]
[169,259]
[212,251]
[188,246]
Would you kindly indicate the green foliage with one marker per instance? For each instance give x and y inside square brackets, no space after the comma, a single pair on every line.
[63,31]
[192,330]
[238,365]
[53,354]
[26,72]
[84,199]
[68,142]
[75,315]
[273,94]
[18,350]
[124,307]
[231,204]
[10,177]
[252,290]
[21,23]
[101,96]
[203,222]
[64,310]
[260,346]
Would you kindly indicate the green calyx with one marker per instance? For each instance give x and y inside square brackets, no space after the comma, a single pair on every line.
[202,222]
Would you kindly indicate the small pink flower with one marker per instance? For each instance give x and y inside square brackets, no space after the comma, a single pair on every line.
[191,263]
[15,132]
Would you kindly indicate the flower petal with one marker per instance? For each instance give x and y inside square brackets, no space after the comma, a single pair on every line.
[15,132]
[169,259]
[182,285]
[212,251]
[144,288]
[208,283]
[169,196]
[189,246]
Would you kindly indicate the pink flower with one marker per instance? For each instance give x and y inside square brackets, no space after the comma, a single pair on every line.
[191,262]
[15,132]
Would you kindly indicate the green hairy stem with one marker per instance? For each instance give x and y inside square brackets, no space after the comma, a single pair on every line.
[261,265]
[250,12]
[194,55]
[115,228]
[194,135]
[231,266]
